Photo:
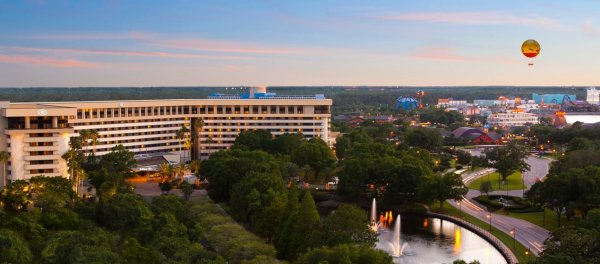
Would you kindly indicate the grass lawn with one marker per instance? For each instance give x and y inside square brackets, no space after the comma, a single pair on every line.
[519,251]
[537,218]
[513,181]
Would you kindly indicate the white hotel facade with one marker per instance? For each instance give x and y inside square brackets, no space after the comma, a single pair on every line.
[37,134]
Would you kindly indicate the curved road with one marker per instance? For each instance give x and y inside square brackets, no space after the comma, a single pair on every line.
[526,233]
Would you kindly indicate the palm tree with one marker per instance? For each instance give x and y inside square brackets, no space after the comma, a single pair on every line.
[93,136]
[167,169]
[209,141]
[4,157]
[181,133]
[180,169]
[188,145]
[84,135]
[197,128]
[195,167]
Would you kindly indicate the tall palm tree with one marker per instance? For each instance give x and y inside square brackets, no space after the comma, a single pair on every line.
[181,133]
[4,157]
[209,141]
[197,126]
[188,146]
[93,136]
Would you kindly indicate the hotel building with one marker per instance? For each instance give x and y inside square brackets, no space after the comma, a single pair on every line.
[512,119]
[37,134]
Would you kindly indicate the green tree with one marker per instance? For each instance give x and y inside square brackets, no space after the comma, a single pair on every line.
[571,245]
[302,231]
[316,154]
[348,224]
[287,143]
[119,161]
[224,169]
[125,211]
[347,253]
[171,204]
[507,160]
[446,186]
[13,248]
[133,252]
[485,187]
[92,246]
[16,196]
[426,138]
[282,239]
[187,189]
[259,199]
[254,140]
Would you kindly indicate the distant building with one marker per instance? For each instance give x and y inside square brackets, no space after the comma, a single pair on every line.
[475,136]
[552,98]
[593,96]
[512,119]
[381,119]
[486,102]
[451,103]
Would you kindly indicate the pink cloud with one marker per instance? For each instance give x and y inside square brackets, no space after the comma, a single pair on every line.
[123,53]
[479,18]
[45,61]
[133,35]
[590,29]
[439,53]
[230,47]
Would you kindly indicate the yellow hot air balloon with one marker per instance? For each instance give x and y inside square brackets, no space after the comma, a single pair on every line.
[530,49]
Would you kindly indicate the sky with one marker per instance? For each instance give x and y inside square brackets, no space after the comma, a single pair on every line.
[64,43]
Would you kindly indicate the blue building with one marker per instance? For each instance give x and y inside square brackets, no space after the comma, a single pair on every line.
[552,98]
[406,103]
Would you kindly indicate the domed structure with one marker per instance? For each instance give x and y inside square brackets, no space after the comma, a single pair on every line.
[406,103]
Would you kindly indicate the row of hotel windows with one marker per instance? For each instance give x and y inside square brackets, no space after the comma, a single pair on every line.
[37,122]
[187,118]
[185,110]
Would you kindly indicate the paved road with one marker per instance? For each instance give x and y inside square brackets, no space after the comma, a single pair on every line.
[528,234]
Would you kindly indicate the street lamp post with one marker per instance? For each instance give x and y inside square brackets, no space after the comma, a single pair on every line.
[489,216]
[513,233]
[460,208]
[528,255]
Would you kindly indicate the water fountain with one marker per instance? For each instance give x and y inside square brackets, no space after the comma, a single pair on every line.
[374,216]
[388,238]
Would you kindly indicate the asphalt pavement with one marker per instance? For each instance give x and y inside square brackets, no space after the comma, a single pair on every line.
[528,234]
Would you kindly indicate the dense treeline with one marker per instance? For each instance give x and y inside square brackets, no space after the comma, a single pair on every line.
[257,178]
[572,188]
[345,98]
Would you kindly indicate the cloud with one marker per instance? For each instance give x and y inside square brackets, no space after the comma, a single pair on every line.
[121,53]
[590,29]
[228,47]
[133,35]
[479,18]
[438,53]
[45,61]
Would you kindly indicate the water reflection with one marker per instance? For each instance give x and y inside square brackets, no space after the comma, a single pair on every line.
[434,240]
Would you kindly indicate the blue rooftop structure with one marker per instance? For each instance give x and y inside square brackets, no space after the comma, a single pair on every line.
[406,103]
[552,98]
[261,93]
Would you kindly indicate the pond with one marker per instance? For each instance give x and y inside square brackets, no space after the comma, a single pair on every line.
[433,240]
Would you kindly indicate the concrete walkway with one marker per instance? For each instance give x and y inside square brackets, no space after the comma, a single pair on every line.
[528,234]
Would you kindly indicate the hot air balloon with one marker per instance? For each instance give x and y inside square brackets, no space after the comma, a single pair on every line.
[530,49]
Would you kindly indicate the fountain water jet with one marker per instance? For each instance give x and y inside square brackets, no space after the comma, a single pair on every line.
[374,216]
[397,250]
